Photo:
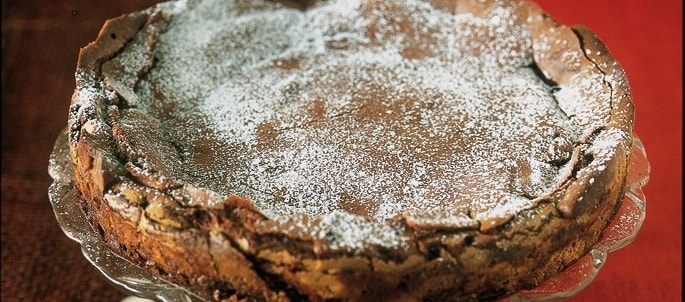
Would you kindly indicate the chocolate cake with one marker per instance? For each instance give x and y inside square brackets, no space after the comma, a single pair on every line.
[349,150]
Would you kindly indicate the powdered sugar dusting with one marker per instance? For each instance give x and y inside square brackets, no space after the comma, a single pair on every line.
[360,107]
[344,231]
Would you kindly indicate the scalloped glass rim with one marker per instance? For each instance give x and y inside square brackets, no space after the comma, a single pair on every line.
[134,280]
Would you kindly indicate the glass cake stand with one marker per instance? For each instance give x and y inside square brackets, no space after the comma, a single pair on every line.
[135,281]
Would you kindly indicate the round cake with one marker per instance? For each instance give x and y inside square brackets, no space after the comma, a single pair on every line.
[349,150]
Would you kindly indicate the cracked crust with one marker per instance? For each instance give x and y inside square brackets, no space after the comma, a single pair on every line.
[222,247]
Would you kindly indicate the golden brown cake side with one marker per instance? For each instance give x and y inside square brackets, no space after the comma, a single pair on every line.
[223,247]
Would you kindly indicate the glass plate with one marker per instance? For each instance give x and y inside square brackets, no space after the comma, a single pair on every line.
[134,280]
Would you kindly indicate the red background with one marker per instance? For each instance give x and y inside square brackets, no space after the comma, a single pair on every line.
[646,38]
[40,44]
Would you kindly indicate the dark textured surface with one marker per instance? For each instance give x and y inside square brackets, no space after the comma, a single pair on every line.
[40,42]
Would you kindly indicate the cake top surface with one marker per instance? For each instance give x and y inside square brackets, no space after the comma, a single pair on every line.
[359,110]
